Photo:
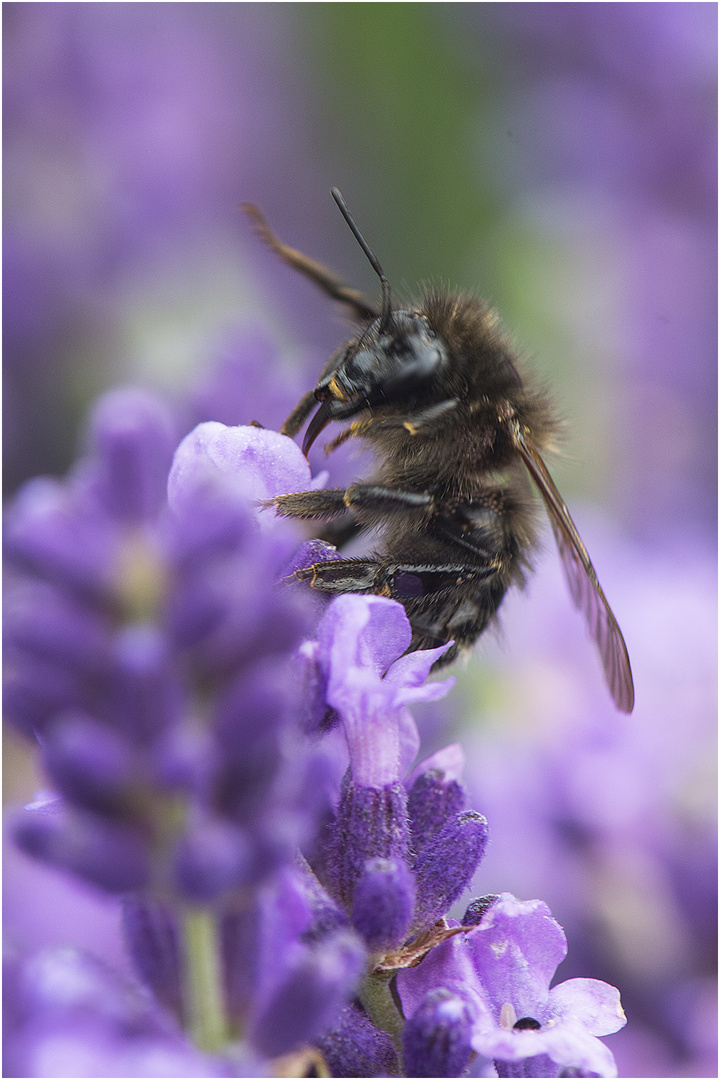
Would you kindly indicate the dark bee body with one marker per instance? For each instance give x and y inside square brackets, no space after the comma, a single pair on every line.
[458,433]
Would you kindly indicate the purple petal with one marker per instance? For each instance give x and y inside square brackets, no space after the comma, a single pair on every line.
[411,671]
[450,965]
[516,948]
[255,462]
[408,740]
[568,1045]
[372,629]
[590,1002]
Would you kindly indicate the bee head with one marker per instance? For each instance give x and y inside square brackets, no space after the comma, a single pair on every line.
[398,361]
[398,358]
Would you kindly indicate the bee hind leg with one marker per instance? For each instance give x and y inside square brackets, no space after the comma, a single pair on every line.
[343,576]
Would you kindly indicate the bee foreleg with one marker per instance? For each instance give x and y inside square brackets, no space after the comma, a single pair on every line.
[310,504]
[299,415]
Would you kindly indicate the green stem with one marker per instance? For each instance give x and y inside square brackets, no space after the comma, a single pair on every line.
[204,1001]
[379,1003]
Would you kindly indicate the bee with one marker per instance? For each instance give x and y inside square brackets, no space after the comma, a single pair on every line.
[436,390]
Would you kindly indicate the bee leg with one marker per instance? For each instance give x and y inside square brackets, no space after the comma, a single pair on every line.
[299,415]
[403,581]
[374,499]
[326,503]
[400,581]
[342,576]
[361,307]
[363,499]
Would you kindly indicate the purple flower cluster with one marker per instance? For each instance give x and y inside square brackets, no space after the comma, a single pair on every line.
[235,766]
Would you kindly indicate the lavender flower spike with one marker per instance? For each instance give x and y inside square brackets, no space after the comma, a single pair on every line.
[153,652]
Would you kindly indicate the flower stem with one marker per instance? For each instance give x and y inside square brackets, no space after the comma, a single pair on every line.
[379,1003]
[204,1001]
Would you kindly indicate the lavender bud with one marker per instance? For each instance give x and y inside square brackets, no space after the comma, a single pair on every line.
[355,1047]
[53,534]
[212,857]
[113,856]
[436,1039]
[432,801]
[248,720]
[34,692]
[221,613]
[326,915]
[182,758]
[213,528]
[308,998]
[193,610]
[383,903]
[133,443]
[90,763]
[151,936]
[446,866]
[370,823]
[69,634]
[146,697]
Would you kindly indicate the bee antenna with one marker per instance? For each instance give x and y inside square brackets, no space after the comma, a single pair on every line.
[386,313]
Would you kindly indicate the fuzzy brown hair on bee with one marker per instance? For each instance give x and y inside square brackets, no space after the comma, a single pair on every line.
[458,432]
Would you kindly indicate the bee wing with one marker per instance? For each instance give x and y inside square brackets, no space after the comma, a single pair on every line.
[581,577]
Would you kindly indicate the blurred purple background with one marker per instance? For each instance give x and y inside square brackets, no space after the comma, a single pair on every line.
[561,160]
